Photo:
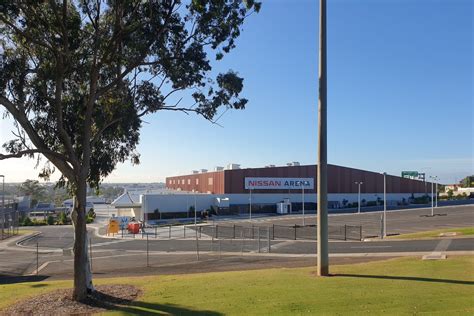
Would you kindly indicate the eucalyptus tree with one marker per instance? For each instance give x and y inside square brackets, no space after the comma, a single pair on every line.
[78,77]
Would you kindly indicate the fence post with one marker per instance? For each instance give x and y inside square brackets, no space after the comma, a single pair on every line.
[90,252]
[200,231]
[37,257]
[360,232]
[217,231]
[147,259]
[258,236]
[273,231]
[242,244]
[219,248]
[233,232]
[268,239]
[156,227]
[252,232]
[295,231]
[169,235]
[184,231]
[197,244]
[345,232]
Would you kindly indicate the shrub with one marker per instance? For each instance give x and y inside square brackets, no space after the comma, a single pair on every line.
[91,213]
[62,219]
[26,221]
[50,220]
[89,219]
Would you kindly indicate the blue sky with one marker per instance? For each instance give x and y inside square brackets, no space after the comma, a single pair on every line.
[400,94]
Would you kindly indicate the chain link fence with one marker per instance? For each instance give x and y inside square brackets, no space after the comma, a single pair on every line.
[9,222]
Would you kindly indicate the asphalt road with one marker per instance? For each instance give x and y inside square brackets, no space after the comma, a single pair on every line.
[119,257]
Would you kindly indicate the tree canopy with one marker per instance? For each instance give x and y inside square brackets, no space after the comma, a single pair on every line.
[78,76]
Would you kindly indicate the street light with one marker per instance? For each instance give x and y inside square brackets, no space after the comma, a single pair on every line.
[358,203]
[432,193]
[384,205]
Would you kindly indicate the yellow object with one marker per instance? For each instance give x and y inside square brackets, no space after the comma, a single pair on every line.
[113,227]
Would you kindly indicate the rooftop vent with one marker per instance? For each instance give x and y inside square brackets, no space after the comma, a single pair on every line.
[195,171]
[203,170]
[233,166]
[218,168]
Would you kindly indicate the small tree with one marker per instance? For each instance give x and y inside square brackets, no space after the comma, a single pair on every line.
[77,78]
[450,194]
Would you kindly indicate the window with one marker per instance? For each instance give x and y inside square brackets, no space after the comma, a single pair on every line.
[182,182]
[211,181]
[189,181]
[197,181]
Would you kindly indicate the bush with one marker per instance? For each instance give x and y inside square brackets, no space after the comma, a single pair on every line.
[62,219]
[371,203]
[50,220]
[26,221]
[89,219]
[91,213]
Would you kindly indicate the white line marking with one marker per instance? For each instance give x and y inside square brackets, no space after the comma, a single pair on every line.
[365,247]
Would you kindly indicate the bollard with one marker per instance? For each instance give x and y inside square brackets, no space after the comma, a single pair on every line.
[122,232]
[200,227]
[217,231]
[252,232]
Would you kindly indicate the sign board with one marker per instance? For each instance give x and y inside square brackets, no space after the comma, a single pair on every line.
[113,227]
[123,222]
[279,183]
[410,174]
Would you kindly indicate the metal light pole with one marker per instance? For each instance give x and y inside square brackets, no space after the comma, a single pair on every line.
[322,218]
[358,203]
[436,192]
[432,194]
[384,205]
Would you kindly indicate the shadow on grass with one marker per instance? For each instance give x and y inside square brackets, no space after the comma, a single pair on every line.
[112,303]
[142,308]
[21,279]
[404,278]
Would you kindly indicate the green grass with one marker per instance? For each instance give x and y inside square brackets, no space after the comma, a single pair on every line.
[394,287]
[462,231]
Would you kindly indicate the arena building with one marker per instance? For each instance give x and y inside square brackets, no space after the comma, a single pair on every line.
[272,189]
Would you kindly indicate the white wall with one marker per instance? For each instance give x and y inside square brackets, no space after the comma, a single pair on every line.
[182,202]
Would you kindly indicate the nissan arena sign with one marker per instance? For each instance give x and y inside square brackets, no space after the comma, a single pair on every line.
[279,183]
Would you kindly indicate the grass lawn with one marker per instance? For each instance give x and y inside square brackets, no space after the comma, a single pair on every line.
[463,231]
[395,287]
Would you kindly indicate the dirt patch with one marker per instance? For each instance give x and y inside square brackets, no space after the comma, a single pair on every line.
[60,302]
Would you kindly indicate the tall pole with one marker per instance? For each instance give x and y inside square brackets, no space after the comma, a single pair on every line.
[322,218]
[432,200]
[384,204]
[436,192]
[358,203]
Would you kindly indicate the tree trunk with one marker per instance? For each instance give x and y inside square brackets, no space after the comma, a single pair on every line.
[82,272]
